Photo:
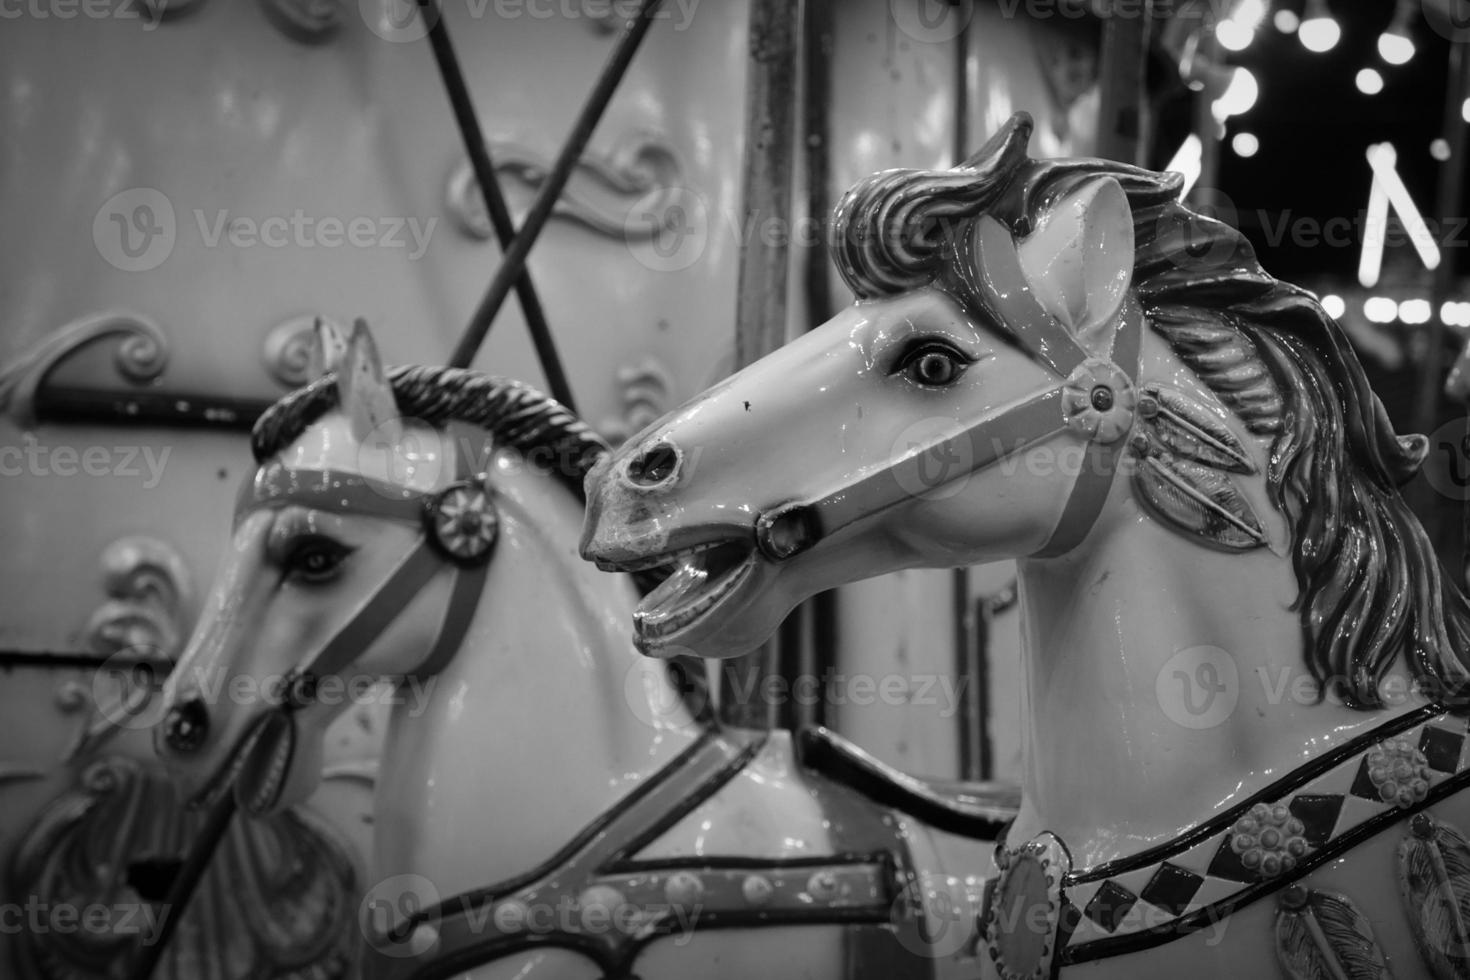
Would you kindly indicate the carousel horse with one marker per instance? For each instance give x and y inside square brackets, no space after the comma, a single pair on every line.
[1246,676]
[547,805]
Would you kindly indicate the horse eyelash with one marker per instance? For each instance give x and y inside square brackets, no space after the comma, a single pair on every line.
[914,348]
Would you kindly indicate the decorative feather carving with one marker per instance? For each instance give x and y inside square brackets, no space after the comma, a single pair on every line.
[1323,936]
[1198,499]
[1188,429]
[1434,880]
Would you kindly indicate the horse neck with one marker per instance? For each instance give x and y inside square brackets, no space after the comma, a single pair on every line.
[1135,729]
[537,725]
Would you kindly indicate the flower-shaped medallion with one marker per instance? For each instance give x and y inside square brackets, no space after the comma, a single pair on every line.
[463,522]
[1098,401]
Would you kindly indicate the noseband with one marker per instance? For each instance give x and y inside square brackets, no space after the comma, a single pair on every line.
[459,525]
[1093,397]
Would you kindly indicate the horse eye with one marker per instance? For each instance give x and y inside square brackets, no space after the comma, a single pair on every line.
[316,558]
[933,365]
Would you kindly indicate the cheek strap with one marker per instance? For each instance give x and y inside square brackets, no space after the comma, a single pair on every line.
[1100,401]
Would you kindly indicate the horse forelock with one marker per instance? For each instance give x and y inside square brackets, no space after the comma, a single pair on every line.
[1371,588]
[515,415]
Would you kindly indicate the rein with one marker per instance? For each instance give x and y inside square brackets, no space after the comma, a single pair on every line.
[1093,397]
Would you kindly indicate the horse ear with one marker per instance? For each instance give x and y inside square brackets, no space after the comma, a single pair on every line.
[328,346]
[363,391]
[1007,148]
[1079,260]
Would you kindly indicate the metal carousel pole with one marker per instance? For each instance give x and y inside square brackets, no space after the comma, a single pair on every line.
[971,641]
[760,301]
[1122,107]
[814,652]
[1450,201]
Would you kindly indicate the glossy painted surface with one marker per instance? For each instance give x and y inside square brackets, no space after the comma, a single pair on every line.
[515,800]
[1164,655]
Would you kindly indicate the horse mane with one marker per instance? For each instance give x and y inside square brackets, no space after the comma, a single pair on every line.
[515,415]
[1370,583]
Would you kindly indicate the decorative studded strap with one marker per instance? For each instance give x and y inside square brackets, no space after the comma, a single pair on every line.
[597,897]
[1264,844]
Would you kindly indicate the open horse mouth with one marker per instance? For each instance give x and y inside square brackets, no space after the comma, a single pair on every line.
[257,767]
[698,581]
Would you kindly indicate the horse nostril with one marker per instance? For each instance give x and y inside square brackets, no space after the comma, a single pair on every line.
[654,466]
[186,726]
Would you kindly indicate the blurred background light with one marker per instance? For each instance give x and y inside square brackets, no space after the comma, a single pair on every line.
[1245,144]
[1319,30]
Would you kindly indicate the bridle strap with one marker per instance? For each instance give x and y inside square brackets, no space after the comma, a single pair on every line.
[982,444]
[1095,478]
[376,612]
[350,493]
[337,491]
[1036,330]
[464,602]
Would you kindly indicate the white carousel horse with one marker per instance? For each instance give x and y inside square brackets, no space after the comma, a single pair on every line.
[1246,675]
[546,804]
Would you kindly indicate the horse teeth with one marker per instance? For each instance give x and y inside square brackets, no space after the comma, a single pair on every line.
[652,621]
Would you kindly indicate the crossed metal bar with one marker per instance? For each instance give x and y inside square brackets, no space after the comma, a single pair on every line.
[495,207]
[511,274]
[516,245]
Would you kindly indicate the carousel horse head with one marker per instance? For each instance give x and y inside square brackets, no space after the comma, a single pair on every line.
[361,546]
[1043,354]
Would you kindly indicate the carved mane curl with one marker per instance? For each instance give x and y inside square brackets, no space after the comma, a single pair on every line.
[515,415]
[1370,584]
